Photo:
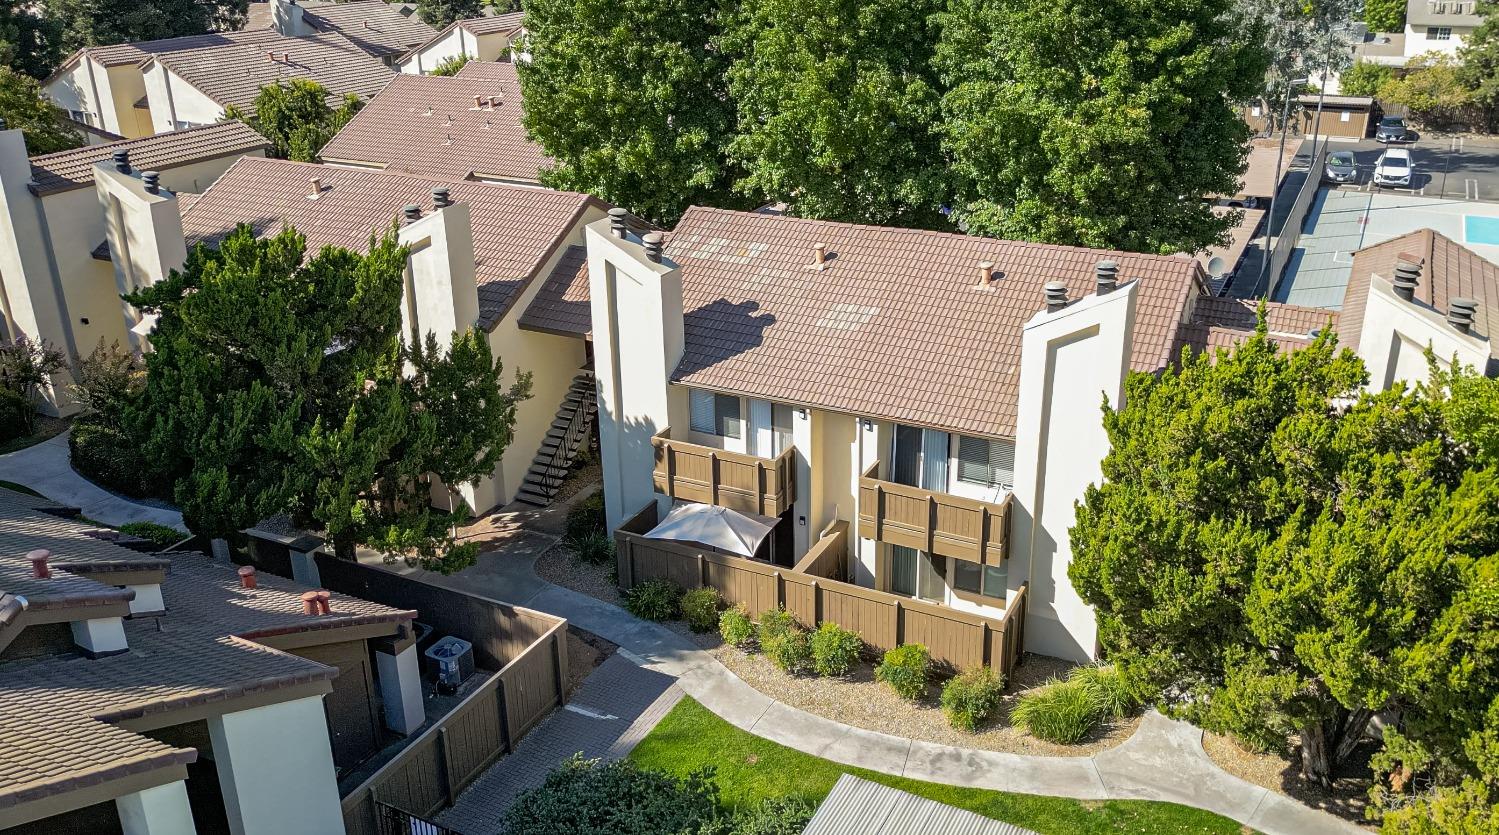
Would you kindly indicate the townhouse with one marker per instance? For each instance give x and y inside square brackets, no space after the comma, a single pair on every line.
[1431,26]
[168,693]
[384,30]
[493,38]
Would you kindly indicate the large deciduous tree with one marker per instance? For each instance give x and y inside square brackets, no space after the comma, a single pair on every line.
[40,121]
[28,38]
[277,384]
[839,108]
[440,13]
[1096,122]
[296,117]
[99,22]
[630,99]
[1275,554]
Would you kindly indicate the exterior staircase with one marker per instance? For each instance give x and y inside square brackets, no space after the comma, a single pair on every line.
[568,434]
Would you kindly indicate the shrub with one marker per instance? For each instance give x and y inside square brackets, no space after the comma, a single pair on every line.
[15,415]
[773,622]
[1106,686]
[587,516]
[835,650]
[654,599]
[450,66]
[162,535]
[617,797]
[108,381]
[905,669]
[773,816]
[736,627]
[594,548]
[700,608]
[970,697]
[1061,711]
[1364,78]
[790,650]
[110,458]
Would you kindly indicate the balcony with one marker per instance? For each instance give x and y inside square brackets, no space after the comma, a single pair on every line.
[938,523]
[746,483]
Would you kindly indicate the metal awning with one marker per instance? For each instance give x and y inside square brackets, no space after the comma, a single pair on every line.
[720,528]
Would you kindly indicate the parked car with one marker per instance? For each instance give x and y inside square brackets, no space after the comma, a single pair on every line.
[1342,167]
[1393,168]
[1392,129]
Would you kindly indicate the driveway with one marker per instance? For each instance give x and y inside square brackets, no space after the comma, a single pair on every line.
[1455,167]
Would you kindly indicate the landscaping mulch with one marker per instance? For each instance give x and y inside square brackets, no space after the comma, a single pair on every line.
[558,565]
[1281,773]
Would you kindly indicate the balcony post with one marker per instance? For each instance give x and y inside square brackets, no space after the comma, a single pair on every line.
[713,478]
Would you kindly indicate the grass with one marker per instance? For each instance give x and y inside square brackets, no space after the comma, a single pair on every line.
[750,769]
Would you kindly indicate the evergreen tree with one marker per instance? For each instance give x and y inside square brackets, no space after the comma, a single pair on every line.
[28,38]
[439,13]
[44,126]
[296,118]
[100,22]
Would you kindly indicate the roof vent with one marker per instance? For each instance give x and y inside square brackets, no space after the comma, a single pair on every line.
[819,257]
[986,273]
[122,161]
[478,102]
[1056,296]
[309,603]
[488,123]
[449,140]
[413,213]
[317,188]
[618,222]
[247,577]
[441,198]
[653,242]
[1407,277]
[152,182]
[38,560]
[1460,314]
[1107,273]
[495,101]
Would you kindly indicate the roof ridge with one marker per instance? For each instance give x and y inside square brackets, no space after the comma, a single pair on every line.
[427,178]
[86,150]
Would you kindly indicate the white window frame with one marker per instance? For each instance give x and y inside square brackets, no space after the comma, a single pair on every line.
[1439,33]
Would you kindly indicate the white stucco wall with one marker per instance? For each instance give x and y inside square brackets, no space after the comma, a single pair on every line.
[458,41]
[275,767]
[176,103]
[1396,334]
[126,86]
[1418,40]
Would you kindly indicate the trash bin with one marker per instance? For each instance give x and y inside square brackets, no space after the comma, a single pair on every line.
[453,659]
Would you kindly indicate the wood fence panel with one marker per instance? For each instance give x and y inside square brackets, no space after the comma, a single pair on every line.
[799,594]
[475,738]
[531,687]
[951,642]
[870,616]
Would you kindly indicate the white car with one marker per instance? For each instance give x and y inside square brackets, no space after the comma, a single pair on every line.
[1393,168]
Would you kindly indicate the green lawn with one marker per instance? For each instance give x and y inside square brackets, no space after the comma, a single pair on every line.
[750,769]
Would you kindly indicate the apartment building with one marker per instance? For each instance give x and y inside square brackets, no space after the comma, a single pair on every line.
[1439,26]
[384,30]
[938,394]
[495,38]
[154,694]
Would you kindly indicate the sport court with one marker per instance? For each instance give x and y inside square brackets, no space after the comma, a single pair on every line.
[1341,222]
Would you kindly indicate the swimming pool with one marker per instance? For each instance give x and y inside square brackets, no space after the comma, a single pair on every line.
[1478,229]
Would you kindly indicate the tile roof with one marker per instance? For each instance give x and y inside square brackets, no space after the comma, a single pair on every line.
[487,25]
[425,124]
[125,54]
[1218,322]
[561,304]
[375,26]
[493,70]
[1450,271]
[894,327]
[516,228]
[57,713]
[65,170]
[233,74]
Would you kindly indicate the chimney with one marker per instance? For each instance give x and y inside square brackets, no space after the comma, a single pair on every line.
[1056,296]
[151,181]
[38,559]
[122,161]
[619,222]
[247,577]
[654,242]
[1460,314]
[494,101]
[819,257]
[986,273]
[1407,277]
[1107,274]
[441,198]
[317,188]
[309,603]
[413,213]
[478,102]
[323,596]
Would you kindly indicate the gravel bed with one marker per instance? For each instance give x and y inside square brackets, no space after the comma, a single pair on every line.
[861,701]
[558,565]
[1281,773]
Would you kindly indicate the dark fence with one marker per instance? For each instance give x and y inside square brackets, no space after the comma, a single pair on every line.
[393,821]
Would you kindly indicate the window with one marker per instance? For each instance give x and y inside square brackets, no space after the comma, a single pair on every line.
[903,570]
[1344,116]
[715,414]
[986,580]
[1439,33]
[986,461]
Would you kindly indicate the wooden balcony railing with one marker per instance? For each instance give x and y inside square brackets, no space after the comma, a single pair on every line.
[938,523]
[746,483]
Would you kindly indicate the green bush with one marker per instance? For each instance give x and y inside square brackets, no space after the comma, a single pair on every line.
[736,627]
[700,608]
[791,650]
[654,599]
[450,66]
[772,816]
[111,459]
[970,697]
[15,416]
[1364,78]
[587,516]
[617,797]
[773,622]
[1061,711]
[835,650]
[1106,686]
[905,669]
[162,535]
[594,547]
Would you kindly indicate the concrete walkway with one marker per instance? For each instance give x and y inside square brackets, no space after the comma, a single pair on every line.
[1164,760]
[45,468]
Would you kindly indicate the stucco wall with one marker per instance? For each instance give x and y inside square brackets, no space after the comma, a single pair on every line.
[174,102]
[126,86]
[459,41]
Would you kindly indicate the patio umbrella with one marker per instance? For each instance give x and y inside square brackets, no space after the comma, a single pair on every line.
[717,527]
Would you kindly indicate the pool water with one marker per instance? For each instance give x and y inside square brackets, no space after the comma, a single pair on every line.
[1481,230]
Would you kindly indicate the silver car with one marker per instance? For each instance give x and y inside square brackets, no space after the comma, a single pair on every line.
[1341,167]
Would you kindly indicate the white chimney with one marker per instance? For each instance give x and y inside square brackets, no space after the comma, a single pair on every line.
[289,19]
[144,230]
[442,294]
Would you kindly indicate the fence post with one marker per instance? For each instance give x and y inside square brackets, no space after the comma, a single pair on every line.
[713,478]
[816,605]
[897,630]
[499,696]
[445,764]
[557,669]
[986,658]
[702,570]
[931,521]
[780,592]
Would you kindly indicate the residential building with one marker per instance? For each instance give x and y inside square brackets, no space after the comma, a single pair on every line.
[50,286]
[384,30]
[495,38]
[1439,26]
[468,128]
[150,87]
[169,693]
[937,394]
[481,254]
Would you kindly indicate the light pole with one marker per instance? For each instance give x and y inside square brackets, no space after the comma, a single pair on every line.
[1285,117]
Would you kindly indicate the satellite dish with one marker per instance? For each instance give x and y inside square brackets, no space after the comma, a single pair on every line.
[1217,266]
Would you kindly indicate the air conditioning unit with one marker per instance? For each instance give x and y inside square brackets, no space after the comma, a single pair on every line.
[453,661]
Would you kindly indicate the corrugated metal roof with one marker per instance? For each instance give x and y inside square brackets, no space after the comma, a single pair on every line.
[859,807]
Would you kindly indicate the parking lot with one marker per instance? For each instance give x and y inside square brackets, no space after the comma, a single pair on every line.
[1456,167]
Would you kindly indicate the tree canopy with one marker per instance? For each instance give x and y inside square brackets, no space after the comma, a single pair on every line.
[1365,79]
[440,13]
[276,385]
[296,118]
[99,22]
[1384,15]
[44,126]
[28,38]
[1275,552]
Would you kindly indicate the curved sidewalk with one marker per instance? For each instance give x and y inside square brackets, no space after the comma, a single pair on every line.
[1164,760]
[45,468]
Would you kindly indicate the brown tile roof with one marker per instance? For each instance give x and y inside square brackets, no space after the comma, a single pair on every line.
[1224,322]
[24,527]
[125,54]
[424,124]
[1451,270]
[65,170]
[503,71]
[375,26]
[516,228]
[234,74]
[561,304]
[894,327]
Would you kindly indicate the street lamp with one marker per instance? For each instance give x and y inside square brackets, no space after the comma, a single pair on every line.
[1285,117]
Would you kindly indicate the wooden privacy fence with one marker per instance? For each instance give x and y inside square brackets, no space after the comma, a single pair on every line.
[956,639]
